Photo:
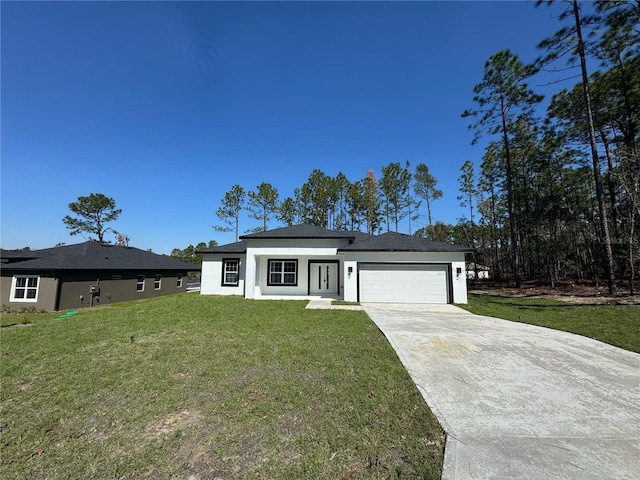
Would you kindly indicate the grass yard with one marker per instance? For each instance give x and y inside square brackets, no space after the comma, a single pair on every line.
[617,325]
[191,386]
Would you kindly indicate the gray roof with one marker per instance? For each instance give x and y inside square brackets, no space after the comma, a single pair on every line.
[9,256]
[237,247]
[303,231]
[358,241]
[97,256]
[399,242]
[361,236]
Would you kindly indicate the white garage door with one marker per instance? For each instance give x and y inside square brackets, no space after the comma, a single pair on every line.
[403,283]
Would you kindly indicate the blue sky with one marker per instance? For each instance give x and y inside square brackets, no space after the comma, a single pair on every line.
[165,106]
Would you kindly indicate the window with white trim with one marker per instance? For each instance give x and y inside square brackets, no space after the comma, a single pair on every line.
[157,283]
[230,272]
[283,272]
[179,281]
[140,283]
[24,288]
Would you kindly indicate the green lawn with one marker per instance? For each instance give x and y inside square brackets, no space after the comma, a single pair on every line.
[210,387]
[617,325]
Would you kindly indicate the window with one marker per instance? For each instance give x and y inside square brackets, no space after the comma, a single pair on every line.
[24,288]
[230,272]
[179,281]
[140,284]
[157,283]
[283,272]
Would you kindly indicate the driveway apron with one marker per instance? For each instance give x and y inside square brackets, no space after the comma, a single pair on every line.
[519,401]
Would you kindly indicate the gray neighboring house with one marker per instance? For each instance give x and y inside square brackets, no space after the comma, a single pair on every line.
[87,274]
[308,262]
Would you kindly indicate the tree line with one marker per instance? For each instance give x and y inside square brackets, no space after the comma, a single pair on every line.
[556,195]
[337,203]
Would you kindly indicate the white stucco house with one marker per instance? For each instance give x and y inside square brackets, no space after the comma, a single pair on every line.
[310,262]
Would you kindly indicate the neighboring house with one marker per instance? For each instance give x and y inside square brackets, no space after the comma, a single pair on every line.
[306,261]
[479,272]
[87,274]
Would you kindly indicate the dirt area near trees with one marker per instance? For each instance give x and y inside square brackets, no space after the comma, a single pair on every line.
[584,293]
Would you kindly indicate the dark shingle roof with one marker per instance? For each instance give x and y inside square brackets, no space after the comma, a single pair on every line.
[361,236]
[10,256]
[398,242]
[237,247]
[303,231]
[361,242]
[98,256]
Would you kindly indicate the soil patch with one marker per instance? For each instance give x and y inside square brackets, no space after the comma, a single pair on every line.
[177,420]
[578,293]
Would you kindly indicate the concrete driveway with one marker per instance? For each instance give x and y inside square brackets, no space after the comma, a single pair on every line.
[518,401]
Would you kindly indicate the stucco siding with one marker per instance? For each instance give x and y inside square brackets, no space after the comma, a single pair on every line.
[459,280]
[211,282]
[71,290]
[301,289]
[296,245]
[47,285]
[114,287]
[302,250]
[255,279]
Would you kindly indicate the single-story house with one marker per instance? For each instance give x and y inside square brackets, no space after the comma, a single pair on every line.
[479,272]
[307,262]
[87,274]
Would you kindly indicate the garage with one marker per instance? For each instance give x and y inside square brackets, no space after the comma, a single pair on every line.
[403,283]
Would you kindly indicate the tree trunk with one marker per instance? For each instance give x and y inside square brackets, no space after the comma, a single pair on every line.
[515,262]
[604,223]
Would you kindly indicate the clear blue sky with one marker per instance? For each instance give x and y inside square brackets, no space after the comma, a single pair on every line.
[164,106]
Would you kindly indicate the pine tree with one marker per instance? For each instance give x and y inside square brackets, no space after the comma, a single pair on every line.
[502,97]
[229,211]
[425,187]
[263,203]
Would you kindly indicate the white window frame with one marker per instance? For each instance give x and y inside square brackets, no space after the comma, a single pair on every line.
[157,282]
[140,283]
[26,287]
[179,281]
[282,273]
[225,263]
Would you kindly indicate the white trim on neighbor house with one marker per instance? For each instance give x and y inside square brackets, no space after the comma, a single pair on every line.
[24,288]
[140,283]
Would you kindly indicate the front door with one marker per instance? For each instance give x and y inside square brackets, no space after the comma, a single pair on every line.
[323,278]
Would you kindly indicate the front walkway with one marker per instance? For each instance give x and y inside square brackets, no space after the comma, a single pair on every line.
[519,401]
[327,304]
